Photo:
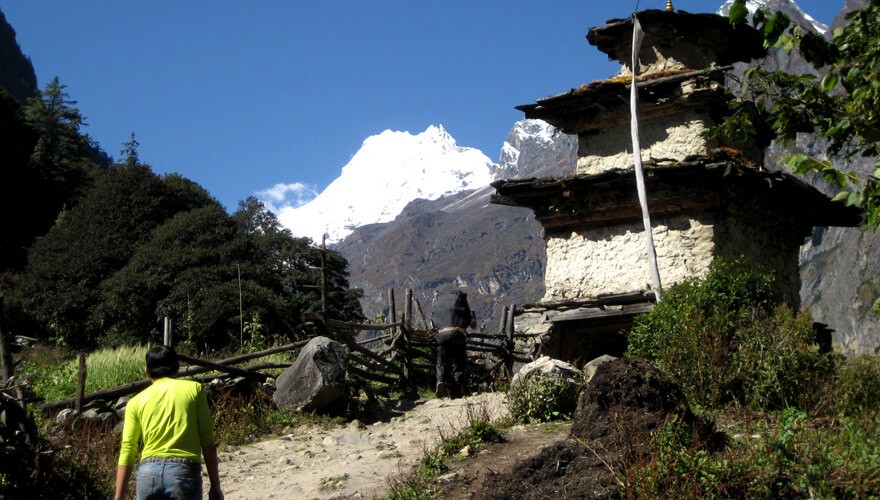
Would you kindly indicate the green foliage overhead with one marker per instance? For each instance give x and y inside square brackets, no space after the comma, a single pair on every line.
[841,107]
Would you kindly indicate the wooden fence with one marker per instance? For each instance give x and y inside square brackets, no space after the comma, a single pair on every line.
[400,352]
[404,349]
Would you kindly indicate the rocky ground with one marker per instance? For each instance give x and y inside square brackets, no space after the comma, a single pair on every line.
[353,461]
[624,404]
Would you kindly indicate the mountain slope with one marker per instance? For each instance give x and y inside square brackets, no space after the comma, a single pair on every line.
[493,252]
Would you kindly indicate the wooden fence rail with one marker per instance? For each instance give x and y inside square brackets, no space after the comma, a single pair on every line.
[394,357]
[125,390]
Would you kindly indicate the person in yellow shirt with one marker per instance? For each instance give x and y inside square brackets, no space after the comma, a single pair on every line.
[173,419]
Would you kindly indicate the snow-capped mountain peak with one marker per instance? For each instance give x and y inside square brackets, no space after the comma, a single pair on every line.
[788,6]
[388,171]
[533,148]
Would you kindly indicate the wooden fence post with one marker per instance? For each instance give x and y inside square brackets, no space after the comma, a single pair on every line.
[392,309]
[81,382]
[167,338]
[508,344]
[6,366]
[392,318]
[503,330]
[324,275]
[406,329]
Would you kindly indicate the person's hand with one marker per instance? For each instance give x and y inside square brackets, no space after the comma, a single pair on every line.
[215,493]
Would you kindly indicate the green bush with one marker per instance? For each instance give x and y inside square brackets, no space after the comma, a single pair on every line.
[779,363]
[673,467]
[795,456]
[798,456]
[858,384]
[539,399]
[724,338]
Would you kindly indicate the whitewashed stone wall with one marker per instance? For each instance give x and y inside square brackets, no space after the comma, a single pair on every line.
[611,148]
[612,260]
[586,263]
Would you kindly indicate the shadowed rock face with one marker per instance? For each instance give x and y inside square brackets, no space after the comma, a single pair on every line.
[16,71]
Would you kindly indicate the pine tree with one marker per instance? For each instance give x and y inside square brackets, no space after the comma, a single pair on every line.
[130,151]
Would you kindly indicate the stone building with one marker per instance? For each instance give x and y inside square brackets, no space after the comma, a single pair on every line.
[706,199]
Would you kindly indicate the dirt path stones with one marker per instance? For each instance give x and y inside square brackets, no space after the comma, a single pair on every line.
[351,461]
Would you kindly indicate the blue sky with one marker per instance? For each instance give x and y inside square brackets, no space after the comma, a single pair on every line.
[241,96]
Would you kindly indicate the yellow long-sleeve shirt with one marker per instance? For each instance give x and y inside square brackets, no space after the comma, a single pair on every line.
[172,417]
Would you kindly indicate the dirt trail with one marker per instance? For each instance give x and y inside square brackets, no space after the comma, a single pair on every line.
[352,461]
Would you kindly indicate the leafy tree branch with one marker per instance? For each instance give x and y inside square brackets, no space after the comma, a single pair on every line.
[842,106]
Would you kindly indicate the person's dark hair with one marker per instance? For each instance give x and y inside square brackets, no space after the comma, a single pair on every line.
[162,362]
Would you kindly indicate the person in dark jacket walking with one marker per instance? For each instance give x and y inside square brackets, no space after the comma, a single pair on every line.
[451,316]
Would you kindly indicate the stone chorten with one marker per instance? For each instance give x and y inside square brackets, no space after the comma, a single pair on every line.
[706,199]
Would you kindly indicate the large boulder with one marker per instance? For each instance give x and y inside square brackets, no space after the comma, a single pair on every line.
[315,380]
[591,367]
[547,367]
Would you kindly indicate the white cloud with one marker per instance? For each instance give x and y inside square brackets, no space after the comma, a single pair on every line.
[282,196]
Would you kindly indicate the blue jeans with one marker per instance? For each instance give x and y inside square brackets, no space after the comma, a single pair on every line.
[169,479]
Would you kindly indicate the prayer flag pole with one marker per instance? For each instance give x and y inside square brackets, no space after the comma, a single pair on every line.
[638,35]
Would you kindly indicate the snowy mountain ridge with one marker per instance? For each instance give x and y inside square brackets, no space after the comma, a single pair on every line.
[774,5]
[389,170]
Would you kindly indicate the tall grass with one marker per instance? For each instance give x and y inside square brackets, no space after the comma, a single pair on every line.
[106,368]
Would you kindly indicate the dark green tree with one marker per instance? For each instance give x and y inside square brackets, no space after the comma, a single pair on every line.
[18,182]
[292,266]
[130,151]
[842,107]
[187,271]
[91,242]
[65,159]
[343,301]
